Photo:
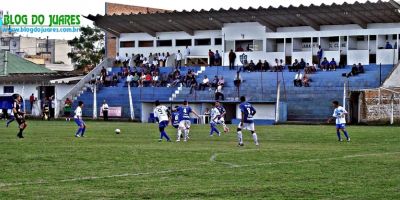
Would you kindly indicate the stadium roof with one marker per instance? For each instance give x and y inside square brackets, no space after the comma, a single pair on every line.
[271,17]
[18,65]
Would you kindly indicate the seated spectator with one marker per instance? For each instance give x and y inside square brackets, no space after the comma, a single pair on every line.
[126,60]
[306,81]
[205,83]
[148,80]
[193,84]
[276,66]
[360,68]
[129,79]
[221,81]
[155,80]
[114,80]
[302,64]
[332,65]
[325,64]
[295,66]
[265,66]
[219,94]
[135,80]
[388,45]
[214,82]
[298,79]
[354,71]
[117,59]
[250,67]
[239,49]
[163,80]
[258,66]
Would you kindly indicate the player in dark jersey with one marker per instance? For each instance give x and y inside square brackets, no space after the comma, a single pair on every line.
[247,121]
[221,119]
[19,115]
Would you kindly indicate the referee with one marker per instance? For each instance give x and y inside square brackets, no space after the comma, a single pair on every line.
[19,115]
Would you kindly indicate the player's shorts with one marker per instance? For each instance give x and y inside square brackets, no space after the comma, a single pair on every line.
[340,126]
[185,124]
[163,124]
[247,126]
[79,122]
[221,120]
[20,120]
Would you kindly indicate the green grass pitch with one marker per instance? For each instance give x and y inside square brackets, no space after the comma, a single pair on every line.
[292,162]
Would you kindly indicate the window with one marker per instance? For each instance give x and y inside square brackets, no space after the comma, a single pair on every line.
[42,45]
[146,43]
[218,41]
[202,42]
[4,42]
[8,89]
[126,44]
[184,43]
[164,43]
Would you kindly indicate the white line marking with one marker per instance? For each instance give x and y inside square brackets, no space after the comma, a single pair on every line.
[212,159]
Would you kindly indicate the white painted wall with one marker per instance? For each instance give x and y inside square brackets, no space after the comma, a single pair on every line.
[385,56]
[357,56]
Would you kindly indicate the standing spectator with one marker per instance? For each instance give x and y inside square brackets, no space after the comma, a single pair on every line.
[232,58]
[178,59]
[126,60]
[320,53]
[218,59]
[187,52]
[51,107]
[31,100]
[238,80]
[193,85]
[205,83]
[219,94]
[67,109]
[211,57]
[117,59]
[104,110]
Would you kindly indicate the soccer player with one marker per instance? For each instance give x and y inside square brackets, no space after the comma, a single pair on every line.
[78,120]
[247,121]
[161,113]
[184,120]
[221,119]
[214,120]
[340,115]
[19,115]
[175,120]
[11,118]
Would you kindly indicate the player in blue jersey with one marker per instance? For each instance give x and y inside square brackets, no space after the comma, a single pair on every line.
[214,120]
[247,122]
[175,121]
[339,114]
[184,120]
[161,113]
[221,118]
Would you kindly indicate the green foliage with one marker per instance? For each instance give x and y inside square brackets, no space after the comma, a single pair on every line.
[292,162]
[88,48]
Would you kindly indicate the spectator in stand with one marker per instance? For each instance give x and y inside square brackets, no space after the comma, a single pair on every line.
[67,109]
[219,94]
[178,59]
[31,101]
[354,71]
[258,66]
[250,67]
[126,60]
[187,52]
[324,64]
[218,59]
[320,53]
[161,59]
[129,80]
[205,83]
[281,65]
[193,84]
[302,64]
[114,80]
[309,69]
[276,65]
[117,59]
[239,49]
[148,79]
[163,80]
[298,79]
[265,66]
[332,65]
[211,58]
[388,45]
[142,79]
[221,81]
[214,82]
[295,66]
[306,81]
[145,62]
[135,80]
[232,58]
[248,48]
[360,68]
[155,79]
[132,61]
[237,81]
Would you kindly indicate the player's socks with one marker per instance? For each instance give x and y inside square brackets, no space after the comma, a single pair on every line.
[240,137]
[338,135]
[164,134]
[83,132]
[179,135]
[186,135]
[255,138]
[78,132]
[347,135]
[20,133]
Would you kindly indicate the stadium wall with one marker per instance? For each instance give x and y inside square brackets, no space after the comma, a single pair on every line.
[375,106]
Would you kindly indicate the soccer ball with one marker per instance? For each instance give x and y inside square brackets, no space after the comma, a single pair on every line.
[117,131]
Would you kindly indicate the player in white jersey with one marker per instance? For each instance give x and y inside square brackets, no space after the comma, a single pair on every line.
[339,114]
[214,120]
[78,120]
[162,115]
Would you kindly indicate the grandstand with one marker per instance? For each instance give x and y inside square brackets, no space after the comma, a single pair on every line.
[366,33]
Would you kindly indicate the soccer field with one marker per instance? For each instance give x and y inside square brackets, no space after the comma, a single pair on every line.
[292,162]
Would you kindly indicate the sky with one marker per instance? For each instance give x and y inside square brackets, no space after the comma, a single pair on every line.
[86,7]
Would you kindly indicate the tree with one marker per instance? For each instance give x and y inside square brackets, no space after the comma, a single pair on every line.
[88,49]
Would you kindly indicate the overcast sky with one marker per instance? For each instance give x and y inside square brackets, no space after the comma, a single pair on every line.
[85,7]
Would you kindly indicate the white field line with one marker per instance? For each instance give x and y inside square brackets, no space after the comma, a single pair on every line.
[213,158]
